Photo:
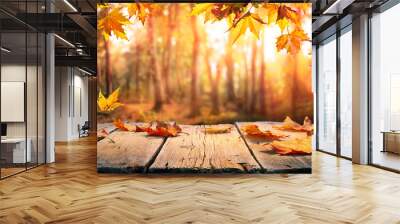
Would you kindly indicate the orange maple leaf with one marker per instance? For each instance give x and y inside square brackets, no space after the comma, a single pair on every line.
[292,41]
[253,131]
[164,130]
[123,126]
[287,12]
[290,125]
[112,23]
[140,10]
[301,146]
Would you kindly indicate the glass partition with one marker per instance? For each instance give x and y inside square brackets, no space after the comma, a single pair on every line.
[14,146]
[22,90]
[385,89]
[327,96]
[346,93]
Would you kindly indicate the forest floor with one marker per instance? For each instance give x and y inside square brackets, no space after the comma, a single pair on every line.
[177,112]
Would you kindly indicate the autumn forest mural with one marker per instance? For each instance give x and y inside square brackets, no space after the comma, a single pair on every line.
[206,77]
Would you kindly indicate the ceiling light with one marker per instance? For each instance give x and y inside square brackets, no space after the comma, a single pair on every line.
[65,41]
[337,7]
[84,71]
[5,50]
[70,5]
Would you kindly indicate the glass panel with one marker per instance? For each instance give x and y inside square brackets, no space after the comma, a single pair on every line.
[386,89]
[41,99]
[327,96]
[32,88]
[31,100]
[13,85]
[346,94]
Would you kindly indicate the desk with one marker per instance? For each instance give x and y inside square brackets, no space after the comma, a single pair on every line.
[16,148]
[391,141]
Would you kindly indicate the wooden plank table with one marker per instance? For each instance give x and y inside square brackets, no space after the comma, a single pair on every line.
[109,127]
[195,151]
[268,159]
[127,152]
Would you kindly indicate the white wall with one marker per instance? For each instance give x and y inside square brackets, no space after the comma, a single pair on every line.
[71,94]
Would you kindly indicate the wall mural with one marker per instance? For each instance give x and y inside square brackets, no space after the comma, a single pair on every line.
[204,88]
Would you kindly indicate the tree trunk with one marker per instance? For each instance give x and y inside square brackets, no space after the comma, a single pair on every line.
[108,69]
[194,103]
[137,70]
[246,84]
[295,93]
[263,108]
[214,82]
[155,67]
[167,54]
[230,70]
[253,95]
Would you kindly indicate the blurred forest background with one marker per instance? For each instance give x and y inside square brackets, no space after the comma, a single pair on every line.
[175,66]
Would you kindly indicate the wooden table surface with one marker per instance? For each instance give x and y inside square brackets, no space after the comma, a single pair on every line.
[194,151]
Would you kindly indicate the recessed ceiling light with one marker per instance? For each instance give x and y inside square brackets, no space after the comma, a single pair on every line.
[64,40]
[70,5]
[5,50]
[84,71]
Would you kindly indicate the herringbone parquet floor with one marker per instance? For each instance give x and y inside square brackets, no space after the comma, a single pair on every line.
[71,191]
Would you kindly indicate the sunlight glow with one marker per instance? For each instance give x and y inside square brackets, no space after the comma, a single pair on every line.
[270,35]
[217,36]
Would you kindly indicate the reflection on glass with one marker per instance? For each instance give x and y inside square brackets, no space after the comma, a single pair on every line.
[31,97]
[327,96]
[15,151]
[41,99]
[386,89]
[346,94]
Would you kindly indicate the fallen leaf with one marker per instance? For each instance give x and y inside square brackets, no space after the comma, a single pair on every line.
[290,125]
[253,131]
[143,128]
[110,103]
[164,129]
[123,126]
[217,129]
[301,146]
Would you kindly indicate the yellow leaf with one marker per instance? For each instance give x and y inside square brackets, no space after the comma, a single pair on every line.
[238,30]
[102,5]
[200,8]
[255,25]
[272,12]
[283,24]
[108,104]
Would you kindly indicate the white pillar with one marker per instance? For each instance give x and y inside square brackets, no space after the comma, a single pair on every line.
[360,90]
[50,98]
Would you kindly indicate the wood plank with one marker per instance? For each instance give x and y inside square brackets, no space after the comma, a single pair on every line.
[109,127]
[268,159]
[194,151]
[127,152]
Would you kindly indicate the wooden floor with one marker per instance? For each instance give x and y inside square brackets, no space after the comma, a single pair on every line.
[71,191]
